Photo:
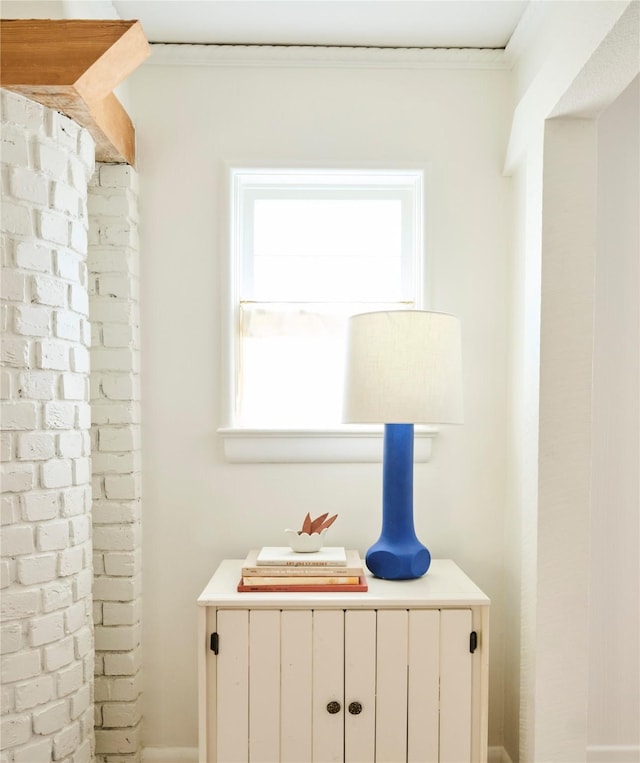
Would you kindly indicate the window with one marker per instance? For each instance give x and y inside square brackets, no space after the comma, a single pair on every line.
[309,248]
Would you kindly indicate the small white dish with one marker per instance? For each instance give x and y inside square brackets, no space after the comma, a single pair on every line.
[303,543]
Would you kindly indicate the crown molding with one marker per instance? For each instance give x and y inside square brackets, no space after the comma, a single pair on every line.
[166,54]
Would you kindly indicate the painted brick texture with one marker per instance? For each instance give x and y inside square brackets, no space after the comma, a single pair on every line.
[115,436]
[47,633]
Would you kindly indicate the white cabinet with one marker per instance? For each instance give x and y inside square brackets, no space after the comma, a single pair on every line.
[395,674]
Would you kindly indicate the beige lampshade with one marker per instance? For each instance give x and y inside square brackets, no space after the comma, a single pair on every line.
[403,367]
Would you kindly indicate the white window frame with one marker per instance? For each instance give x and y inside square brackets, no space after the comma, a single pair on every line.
[348,442]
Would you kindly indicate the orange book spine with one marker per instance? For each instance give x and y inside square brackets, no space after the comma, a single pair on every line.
[360,587]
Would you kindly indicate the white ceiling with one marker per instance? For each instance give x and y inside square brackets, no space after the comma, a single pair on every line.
[378,23]
[394,23]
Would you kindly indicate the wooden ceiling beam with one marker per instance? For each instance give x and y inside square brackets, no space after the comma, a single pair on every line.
[73,66]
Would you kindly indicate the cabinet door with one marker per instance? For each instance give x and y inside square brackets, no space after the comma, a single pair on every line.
[276,672]
[423,686]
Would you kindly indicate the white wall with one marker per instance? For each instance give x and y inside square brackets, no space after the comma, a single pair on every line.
[614,685]
[199,509]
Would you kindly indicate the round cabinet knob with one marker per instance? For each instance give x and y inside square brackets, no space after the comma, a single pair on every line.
[333,707]
[355,708]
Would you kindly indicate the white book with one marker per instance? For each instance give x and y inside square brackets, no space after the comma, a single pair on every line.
[352,567]
[329,556]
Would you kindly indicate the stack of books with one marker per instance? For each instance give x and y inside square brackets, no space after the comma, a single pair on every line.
[278,568]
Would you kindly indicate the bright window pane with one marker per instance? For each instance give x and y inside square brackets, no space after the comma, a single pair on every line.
[324,250]
[308,255]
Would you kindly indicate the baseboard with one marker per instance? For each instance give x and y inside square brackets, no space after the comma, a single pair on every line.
[600,754]
[170,755]
[613,754]
[498,755]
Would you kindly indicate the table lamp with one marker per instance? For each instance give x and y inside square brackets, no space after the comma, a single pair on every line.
[403,368]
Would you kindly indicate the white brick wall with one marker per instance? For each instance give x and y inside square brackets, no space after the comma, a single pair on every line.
[115,398]
[47,638]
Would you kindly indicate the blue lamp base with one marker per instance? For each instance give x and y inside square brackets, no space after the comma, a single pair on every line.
[398,554]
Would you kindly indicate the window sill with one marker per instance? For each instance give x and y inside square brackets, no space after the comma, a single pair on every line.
[348,444]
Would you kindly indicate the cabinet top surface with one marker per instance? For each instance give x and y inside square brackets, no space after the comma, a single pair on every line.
[444,585]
